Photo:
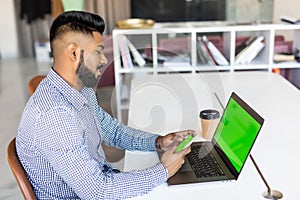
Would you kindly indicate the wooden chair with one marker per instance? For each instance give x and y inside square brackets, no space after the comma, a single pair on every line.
[34,82]
[19,172]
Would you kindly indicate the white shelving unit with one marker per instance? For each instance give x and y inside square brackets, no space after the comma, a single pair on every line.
[150,38]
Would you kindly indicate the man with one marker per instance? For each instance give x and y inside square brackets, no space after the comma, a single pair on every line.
[62,127]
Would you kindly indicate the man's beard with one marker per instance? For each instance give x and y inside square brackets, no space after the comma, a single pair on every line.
[87,77]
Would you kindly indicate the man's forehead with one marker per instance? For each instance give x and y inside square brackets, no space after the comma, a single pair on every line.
[97,36]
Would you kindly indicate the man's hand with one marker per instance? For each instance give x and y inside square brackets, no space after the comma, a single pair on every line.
[173,161]
[173,139]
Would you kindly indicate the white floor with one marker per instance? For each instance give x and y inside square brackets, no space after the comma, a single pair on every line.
[14,76]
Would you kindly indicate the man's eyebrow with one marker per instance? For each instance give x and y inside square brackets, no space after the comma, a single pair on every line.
[101,46]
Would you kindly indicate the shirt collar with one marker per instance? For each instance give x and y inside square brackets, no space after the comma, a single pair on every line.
[73,96]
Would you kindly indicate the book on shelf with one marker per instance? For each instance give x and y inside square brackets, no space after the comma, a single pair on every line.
[138,58]
[203,55]
[214,52]
[252,54]
[250,51]
[124,51]
[243,45]
[283,57]
[206,52]
[177,60]
[289,20]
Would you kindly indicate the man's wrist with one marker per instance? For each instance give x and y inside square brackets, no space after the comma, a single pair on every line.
[158,143]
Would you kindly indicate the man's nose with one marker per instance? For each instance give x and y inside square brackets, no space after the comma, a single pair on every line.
[103,59]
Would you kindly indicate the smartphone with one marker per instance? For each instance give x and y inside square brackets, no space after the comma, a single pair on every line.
[185,143]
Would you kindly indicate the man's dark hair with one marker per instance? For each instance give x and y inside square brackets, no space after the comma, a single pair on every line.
[76,21]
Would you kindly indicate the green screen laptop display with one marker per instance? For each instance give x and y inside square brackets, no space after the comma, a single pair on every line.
[237,137]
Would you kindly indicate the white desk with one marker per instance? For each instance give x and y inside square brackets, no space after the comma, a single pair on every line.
[164,103]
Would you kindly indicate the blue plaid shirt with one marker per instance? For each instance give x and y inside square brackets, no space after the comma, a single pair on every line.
[59,145]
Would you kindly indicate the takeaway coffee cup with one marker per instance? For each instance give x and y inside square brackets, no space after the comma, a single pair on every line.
[209,120]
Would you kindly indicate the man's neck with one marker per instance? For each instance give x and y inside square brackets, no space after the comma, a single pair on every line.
[70,77]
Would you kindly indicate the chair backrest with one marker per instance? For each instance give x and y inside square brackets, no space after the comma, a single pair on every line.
[34,82]
[18,171]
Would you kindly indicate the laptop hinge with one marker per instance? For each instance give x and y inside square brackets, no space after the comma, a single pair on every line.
[226,161]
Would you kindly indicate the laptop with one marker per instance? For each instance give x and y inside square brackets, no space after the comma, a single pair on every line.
[224,156]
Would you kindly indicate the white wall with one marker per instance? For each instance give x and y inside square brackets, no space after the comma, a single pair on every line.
[8,30]
[245,11]
[289,8]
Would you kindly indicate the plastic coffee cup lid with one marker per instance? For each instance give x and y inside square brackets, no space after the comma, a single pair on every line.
[209,114]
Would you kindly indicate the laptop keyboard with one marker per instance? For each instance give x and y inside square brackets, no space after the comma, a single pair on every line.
[203,162]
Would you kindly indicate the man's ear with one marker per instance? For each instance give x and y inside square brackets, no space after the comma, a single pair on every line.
[73,52]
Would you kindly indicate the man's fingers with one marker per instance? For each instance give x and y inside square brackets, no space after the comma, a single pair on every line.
[186,133]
